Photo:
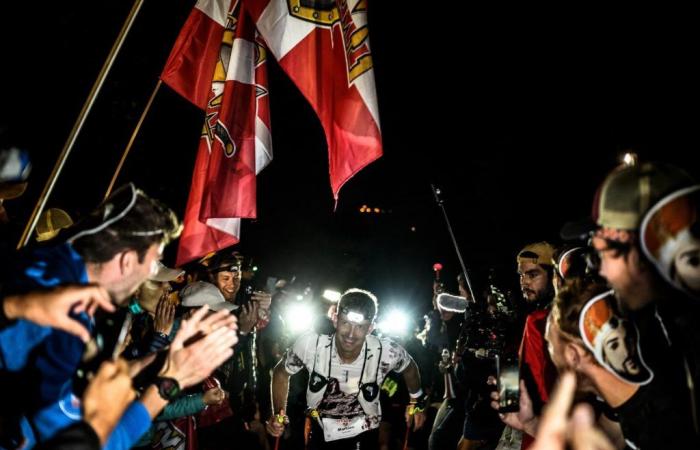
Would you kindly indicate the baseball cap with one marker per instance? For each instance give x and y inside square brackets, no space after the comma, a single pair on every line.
[165,273]
[51,222]
[629,191]
[537,253]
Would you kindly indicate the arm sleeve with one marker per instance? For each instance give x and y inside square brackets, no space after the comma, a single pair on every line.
[297,355]
[188,405]
[134,423]
[396,356]
[79,436]
[17,342]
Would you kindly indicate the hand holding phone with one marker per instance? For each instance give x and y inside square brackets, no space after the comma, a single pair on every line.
[508,384]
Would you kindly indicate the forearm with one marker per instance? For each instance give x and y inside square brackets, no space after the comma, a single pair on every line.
[153,402]
[280,388]
[411,376]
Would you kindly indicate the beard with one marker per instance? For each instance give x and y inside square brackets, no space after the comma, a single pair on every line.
[542,299]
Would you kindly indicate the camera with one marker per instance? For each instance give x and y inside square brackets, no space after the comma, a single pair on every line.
[110,332]
[508,378]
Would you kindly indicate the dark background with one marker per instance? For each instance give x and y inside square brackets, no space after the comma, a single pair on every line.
[517,115]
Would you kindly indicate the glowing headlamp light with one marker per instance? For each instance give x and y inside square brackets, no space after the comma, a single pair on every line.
[355,317]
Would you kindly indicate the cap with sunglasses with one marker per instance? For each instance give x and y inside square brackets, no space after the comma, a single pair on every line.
[625,196]
[117,207]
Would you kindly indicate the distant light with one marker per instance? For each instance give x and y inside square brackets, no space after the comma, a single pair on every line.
[413,229]
[300,297]
[299,317]
[255,268]
[362,209]
[395,323]
[331,295]
[377,210]
[629,159]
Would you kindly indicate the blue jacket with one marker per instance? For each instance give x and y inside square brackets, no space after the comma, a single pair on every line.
[49,357]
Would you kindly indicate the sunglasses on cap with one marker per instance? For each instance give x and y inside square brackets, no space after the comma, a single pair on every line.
[115,208]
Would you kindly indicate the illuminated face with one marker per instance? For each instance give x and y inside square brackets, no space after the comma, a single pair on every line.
[351,329]
[687,263]
[534,282]
[228,283]
[617,354]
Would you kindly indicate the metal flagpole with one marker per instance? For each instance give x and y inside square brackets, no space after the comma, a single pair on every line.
[78,125]
[133,138]
[438,199]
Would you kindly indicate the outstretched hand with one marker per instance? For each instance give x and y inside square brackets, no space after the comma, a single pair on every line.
[54,308]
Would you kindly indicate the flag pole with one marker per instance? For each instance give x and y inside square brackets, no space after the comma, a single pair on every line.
[78,125]
[133,138]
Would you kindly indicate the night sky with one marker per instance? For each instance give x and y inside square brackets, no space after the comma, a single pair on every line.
[517,117]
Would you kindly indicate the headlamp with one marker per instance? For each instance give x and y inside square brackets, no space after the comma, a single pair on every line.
[355,317]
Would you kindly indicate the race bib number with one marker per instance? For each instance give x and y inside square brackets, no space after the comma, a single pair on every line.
[343,428]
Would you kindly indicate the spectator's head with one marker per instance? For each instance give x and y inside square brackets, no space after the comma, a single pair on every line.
[122,240]
[622,201]
[535,266]
[225,272]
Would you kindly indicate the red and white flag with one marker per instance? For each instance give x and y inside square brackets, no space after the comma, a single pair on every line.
[218,64]
[324,48]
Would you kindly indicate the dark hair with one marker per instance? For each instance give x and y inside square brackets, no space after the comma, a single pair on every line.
[146,223]
[360,301]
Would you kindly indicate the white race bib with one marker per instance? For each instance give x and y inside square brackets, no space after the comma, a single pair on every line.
[343,428]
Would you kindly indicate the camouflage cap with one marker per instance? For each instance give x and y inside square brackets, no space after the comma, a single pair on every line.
[629,191]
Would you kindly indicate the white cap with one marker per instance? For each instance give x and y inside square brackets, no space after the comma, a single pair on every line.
[165,273]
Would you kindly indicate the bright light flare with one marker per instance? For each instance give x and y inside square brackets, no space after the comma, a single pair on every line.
[396,322]
[299,317]
[331,295]
[629,159]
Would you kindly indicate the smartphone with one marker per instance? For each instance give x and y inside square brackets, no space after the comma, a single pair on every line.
[508,378]
[109,334]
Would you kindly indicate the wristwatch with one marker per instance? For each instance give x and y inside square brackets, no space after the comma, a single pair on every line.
[168,388]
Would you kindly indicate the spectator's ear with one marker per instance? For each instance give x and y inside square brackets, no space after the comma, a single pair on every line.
[574,355]
[128,260]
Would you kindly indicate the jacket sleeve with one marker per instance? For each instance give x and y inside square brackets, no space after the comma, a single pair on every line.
[17,342]
[134,423]
[79,436]
[184,406]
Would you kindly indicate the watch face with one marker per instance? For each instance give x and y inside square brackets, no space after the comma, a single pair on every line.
[168,388]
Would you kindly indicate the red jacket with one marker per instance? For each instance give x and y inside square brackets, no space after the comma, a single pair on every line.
[536,367]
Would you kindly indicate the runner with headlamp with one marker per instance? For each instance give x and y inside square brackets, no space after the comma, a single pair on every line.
[346,371]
